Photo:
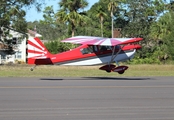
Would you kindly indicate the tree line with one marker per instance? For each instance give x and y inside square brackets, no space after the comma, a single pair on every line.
[153,20]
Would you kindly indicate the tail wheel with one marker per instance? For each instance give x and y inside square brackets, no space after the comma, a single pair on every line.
[31,69]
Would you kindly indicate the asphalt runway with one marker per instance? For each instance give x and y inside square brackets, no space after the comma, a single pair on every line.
[90,98]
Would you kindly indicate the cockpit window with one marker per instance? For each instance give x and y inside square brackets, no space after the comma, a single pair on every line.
[87,50]
[90,49]
[96,49]
[104,48]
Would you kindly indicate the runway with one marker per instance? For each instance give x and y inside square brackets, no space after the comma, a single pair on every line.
[88,98]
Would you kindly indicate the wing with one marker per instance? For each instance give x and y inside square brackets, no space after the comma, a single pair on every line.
[90,40]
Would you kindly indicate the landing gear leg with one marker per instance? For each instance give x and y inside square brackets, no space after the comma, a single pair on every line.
[117,63]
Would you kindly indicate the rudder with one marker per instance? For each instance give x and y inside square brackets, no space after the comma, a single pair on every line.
[37,52]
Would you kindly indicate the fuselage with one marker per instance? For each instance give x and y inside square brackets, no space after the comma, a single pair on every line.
[90,55]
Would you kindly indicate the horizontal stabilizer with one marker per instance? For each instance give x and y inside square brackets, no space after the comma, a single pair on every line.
[40,61]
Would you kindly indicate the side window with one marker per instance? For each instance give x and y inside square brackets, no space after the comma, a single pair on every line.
[95,48]
[104,48]
[118,47]
[87,50]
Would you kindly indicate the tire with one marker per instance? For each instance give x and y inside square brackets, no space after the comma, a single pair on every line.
[121,72]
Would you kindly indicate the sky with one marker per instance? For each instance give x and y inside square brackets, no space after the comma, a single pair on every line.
[33,15]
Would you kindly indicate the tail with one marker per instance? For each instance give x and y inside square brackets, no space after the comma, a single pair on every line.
[37,52]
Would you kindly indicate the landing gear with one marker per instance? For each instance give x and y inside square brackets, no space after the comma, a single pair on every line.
[112,68]
[108,71]
[121,72]
[31,69]
[107,68]
[120,69]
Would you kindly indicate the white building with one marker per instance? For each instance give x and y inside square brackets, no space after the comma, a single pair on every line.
[20,47]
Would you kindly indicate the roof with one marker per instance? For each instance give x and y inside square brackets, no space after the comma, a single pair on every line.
[34,33]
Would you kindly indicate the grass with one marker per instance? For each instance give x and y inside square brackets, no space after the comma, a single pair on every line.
[83,71]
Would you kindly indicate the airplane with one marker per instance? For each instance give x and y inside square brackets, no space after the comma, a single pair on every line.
[91,51]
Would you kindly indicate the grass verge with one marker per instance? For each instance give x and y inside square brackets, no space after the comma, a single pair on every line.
[83,71]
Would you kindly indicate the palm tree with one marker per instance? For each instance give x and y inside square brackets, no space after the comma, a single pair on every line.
[112,7]
[101,16]
[69,13]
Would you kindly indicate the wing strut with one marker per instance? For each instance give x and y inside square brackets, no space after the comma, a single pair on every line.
[114,55]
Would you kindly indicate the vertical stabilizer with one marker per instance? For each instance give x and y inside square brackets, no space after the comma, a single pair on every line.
[37,52]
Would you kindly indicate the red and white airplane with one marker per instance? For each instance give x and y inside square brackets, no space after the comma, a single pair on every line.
[92,51]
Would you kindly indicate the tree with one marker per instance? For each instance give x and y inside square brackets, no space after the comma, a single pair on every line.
[140,16]
[118,21]
[167,25]
[101,14]
[49,27]
[12,13]
[112,7]
[56,46]
[159,30]
[12,17]
[135,13]
[92,28]
[70,13]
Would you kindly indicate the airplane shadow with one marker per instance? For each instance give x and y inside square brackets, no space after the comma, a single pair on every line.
[118,78]
[97,78]
[51,79]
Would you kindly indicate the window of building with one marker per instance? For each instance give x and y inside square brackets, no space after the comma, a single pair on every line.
[14,40]
[18,55]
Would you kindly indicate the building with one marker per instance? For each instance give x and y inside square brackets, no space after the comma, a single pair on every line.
[117,32]
[19,41]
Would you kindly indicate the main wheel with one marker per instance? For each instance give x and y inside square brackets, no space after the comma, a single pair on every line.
[121,72]
[108,71]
